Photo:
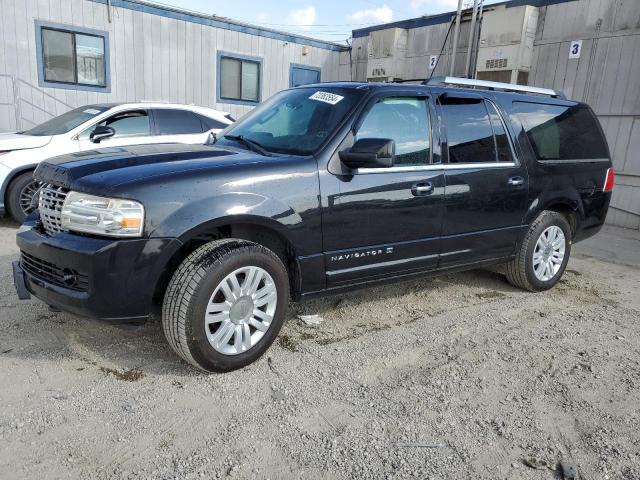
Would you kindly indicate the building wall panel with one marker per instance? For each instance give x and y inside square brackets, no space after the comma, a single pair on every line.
[152,57]
[606,76]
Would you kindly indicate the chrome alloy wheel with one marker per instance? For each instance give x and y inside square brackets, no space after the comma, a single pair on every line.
[27,203]
[549,253]
[240,310]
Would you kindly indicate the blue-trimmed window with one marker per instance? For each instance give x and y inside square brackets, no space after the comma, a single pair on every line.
[303,75]
[72,57]
[239,78]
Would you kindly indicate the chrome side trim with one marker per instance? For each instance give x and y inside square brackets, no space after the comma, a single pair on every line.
[430,168]
[380,264]
[577,160]
[455,252]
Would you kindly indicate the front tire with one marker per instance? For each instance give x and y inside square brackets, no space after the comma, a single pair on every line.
[543,254]
[225,304]
[20,195]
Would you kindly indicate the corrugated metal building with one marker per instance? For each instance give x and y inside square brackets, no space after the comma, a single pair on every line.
[589,49]
[60,54]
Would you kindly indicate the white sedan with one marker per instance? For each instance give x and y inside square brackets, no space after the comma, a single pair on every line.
[91,127]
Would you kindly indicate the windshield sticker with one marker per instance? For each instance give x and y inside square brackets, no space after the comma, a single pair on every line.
[91,111]
[326,97]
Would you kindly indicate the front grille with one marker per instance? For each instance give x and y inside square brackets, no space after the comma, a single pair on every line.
[50,207]
[47,271]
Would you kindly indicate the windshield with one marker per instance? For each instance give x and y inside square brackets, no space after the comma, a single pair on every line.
[67,121]
[295,122]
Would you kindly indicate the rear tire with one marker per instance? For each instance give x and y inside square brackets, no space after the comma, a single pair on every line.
[20,194]
[225,304]
[543,254]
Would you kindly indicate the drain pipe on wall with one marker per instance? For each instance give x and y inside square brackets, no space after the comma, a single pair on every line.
[478,36]
[109,10]
[456,34]
[471,38]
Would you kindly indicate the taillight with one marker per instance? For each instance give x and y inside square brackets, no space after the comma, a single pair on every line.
[609,181]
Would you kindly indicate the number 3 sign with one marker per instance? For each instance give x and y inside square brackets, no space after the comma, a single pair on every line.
[575,48]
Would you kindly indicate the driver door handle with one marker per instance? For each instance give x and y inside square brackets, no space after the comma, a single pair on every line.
[516,181]
[422,189]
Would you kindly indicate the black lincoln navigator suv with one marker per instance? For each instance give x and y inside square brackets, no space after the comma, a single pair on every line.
[320,189]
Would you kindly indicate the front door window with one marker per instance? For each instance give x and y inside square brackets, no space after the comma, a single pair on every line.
[405,120]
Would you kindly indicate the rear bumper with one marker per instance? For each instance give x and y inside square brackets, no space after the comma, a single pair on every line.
[596,209]
[112,280]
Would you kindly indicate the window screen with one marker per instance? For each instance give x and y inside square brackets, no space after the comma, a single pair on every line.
[303,76]
[177,122]
[558,132]
[405,120]
[239,79]
[469,132]
[75,58]
[58,56]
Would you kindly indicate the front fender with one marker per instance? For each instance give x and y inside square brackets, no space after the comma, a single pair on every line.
[194,218]
[7,174]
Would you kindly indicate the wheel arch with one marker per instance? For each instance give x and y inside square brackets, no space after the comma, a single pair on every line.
[569,212]
[570,206]
[263,231]
[11,177]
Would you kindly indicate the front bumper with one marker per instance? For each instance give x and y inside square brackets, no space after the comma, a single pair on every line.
[5,173]
[109,279]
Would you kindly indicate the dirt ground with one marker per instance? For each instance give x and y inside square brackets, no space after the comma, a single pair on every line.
[484,377]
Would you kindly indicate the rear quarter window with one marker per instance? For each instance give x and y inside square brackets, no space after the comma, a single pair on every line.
[177,122]
[558,132]
[211,124]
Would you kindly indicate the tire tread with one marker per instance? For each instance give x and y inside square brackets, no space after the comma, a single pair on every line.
[184,285]
[516,269]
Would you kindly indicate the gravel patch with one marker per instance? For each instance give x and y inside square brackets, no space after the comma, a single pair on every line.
[454,377]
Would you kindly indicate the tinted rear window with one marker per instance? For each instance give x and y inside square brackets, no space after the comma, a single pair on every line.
[559,132]
[177,122]
[475,133]
[469,133]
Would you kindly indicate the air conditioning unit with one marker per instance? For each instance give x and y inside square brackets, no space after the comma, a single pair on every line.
[506,44]
[387,50]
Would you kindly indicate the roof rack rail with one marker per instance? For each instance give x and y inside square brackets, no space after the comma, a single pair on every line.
[485,84]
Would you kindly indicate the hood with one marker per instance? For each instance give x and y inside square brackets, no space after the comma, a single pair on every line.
[96,171]
[19,141]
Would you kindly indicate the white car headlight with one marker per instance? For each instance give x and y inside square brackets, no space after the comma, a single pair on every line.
[113,217]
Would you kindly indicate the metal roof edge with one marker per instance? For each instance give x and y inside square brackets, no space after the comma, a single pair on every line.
[177,13]
[440,18]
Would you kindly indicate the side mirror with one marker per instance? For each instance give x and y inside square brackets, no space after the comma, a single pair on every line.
[369,153]
[100,133]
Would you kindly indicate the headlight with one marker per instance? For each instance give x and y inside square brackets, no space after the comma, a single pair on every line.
[113,217]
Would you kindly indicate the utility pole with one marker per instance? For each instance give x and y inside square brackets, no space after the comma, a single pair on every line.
[471,38]
[456,34]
